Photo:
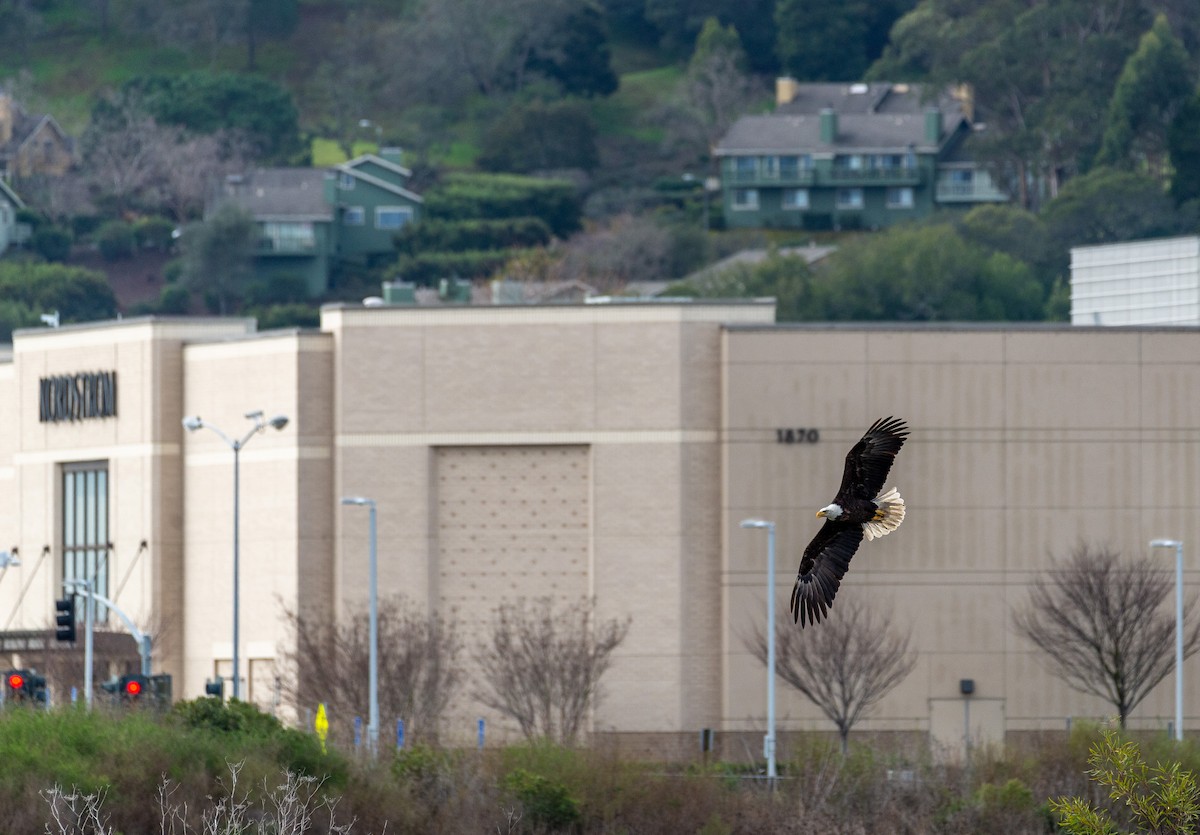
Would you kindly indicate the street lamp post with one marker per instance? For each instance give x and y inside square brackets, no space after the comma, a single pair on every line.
[1178,546]
[373,664]
[193,422]
[769,739]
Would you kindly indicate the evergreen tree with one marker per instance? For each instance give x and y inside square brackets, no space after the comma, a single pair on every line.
[1151,90]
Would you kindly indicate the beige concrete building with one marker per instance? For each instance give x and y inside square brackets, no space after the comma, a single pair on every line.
[605,451]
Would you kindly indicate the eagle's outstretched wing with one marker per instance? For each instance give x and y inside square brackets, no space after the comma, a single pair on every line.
[824,563]
[869,461]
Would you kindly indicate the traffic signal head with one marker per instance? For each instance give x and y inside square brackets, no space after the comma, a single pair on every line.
[65,618]
[21,685]
[133,687]
[215,688]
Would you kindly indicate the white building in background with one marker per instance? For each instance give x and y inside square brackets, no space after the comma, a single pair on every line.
[1155,282]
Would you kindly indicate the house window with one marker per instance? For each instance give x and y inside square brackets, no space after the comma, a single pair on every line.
[848,162]
[745,198]
[900,198]
[85,526]
[288,237]
[392,217]
[795,198]
[849,198]
[769,167]
[345,181]
[354,216]
[745,168]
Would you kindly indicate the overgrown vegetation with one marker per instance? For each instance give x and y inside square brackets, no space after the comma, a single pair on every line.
[206,762]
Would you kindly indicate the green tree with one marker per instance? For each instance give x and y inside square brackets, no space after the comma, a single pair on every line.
[1007,228]
[577,56]
[680,21]
[29,289]
[927,274]
[787,278]
[1106,206]
[832,40]
[206,102]
[217,255]
[1183,144]
[716,90]
[1151,90]
[541,136]
[1040,72]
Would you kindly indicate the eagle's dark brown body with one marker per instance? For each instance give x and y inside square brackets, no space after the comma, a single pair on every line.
[856,511]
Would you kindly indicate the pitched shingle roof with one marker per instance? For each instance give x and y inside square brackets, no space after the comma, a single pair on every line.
[870,117]
[280,193]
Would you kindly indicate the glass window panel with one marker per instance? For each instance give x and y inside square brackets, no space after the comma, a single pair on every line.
[85,527]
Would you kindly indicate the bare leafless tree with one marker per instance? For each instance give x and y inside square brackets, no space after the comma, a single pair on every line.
[190,165]
[845,666]
[1100,620]
[542,668]
[419,672]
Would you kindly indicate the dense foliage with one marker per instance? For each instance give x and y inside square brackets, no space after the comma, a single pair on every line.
[1091,113]
[231,763]
[28,290]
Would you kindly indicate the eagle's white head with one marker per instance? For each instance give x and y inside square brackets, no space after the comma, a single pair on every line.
[831,511]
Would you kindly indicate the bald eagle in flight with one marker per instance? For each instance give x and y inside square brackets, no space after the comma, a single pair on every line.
[857,510]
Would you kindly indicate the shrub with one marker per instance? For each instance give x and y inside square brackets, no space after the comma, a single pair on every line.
[52,243]
[281,288]
[466,196]
[294,315]
[174,299]
[546,802]
[79,295]
[173,270]
[1164,798]
[115,240]
[479,234]
[155,233]
[428,267]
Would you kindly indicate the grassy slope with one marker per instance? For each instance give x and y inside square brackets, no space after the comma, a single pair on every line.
[70,65]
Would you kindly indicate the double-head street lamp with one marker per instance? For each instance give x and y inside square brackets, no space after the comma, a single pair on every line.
[769,739]
[1178,546]
[373,664]
[193,422]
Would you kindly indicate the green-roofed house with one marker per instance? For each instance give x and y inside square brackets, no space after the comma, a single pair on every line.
[310,219]
[851,156]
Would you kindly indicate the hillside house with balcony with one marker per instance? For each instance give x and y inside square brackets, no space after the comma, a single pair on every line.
[309,219]
[851,156]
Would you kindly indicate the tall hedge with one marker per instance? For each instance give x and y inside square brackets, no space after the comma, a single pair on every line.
[427,267]
[459,236]
[465,196]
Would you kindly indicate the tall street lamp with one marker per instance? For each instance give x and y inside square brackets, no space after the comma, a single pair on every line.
[373,664]
[769,739]
[193,422]
[1178,546]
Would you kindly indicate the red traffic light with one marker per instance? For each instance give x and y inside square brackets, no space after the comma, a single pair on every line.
[133,687]
[16,681]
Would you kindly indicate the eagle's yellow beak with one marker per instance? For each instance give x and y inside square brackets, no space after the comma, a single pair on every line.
[820,513]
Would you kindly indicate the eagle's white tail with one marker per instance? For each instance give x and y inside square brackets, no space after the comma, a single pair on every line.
[891,514]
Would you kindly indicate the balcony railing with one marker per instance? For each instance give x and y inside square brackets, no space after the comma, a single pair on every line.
[800,177]
[898,176]
[286,246]
[980,189]
[894,176]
